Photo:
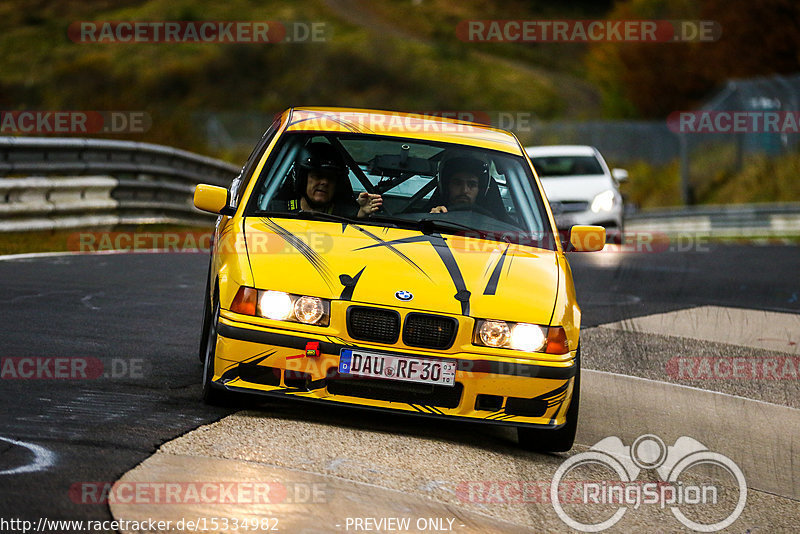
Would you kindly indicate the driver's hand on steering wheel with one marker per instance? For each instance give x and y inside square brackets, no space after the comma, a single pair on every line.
[439,209]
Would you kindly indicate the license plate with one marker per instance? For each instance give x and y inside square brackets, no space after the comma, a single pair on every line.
[394,367]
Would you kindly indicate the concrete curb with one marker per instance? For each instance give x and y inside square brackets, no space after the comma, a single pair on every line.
[296,501]
[763,439]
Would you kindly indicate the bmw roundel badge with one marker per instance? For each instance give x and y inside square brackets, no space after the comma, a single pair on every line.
[404,295]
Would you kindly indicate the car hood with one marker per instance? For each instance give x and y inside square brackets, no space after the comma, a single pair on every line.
[371,264]
[576,188]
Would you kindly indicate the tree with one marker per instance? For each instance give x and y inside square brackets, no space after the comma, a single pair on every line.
[645,79]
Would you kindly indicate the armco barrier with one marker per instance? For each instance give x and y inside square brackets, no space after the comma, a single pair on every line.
[66,183]
[761,220]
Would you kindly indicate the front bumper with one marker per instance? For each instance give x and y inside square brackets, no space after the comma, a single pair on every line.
[489,388]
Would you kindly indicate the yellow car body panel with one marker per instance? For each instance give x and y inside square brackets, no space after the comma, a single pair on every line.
[398,124]
[414,266]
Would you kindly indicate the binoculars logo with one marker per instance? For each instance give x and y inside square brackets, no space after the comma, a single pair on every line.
[648,452]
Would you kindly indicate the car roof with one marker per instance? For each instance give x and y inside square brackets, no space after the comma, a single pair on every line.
[560,150]
[401,124]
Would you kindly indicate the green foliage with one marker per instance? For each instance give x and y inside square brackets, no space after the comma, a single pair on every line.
[762,179]
[716,180]
[360,65]
[652,186]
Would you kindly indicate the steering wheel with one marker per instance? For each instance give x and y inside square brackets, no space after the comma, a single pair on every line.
[473,207]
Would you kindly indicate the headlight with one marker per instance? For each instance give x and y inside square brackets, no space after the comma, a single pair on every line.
[603,202]
[308,310]
[282,306]
[275,305]
[521,336]
[495,333]
[528,337]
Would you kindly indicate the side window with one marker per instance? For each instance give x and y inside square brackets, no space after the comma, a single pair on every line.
[276,181]
[355,183]
[239,183]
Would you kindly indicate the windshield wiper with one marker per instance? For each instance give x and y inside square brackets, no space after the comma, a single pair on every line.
[391,221]
[428,225]
[323,216]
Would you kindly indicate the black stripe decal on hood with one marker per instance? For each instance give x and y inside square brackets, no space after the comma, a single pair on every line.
[390,247]
[349,283]
[491,287]
[313,257]
[462,294]
[446,255]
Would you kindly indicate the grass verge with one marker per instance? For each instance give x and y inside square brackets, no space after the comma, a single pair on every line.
[121,237]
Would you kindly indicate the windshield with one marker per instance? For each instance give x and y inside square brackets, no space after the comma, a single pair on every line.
[551,166]
[432,187]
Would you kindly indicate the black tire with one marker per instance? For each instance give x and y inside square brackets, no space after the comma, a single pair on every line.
[211,394]
[618,235]
[562,439]
[614,234]
[201,354]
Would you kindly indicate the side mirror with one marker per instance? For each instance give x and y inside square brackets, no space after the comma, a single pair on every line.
[211,198]
[620,175]
[586,239]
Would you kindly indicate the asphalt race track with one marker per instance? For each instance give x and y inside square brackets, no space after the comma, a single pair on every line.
[134,321]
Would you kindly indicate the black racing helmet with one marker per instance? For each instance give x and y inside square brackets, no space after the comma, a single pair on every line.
[321,156]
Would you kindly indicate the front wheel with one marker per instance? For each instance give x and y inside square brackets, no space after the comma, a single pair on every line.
[561,439]
[212,395]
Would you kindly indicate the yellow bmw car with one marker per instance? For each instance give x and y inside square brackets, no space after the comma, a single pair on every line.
[395,262]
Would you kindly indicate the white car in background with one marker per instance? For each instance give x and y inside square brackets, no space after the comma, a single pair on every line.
[580,187]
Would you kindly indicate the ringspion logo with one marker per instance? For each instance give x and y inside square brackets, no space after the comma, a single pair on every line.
[684,498]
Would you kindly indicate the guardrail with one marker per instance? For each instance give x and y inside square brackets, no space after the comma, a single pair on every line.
[763,220]
[69,183]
